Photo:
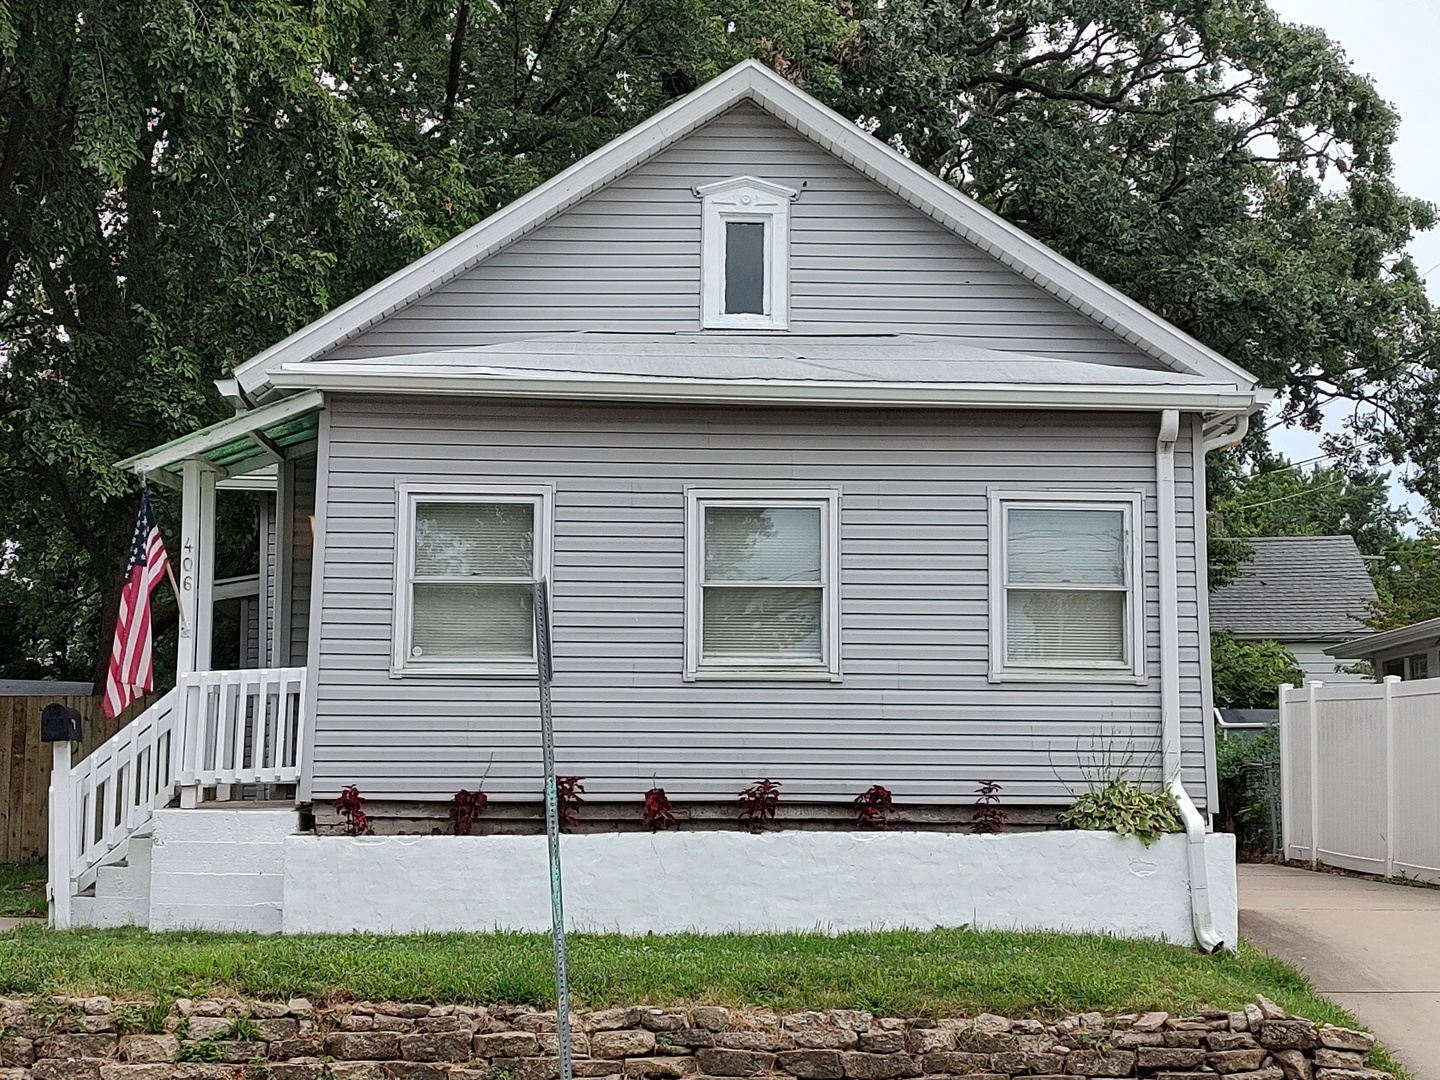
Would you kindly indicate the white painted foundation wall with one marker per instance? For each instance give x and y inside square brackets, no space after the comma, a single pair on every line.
[713,882]
[219,869]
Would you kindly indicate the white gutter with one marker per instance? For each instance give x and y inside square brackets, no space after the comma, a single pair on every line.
[581,386]
[1200,915]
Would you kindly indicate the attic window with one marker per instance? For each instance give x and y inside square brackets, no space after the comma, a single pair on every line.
[745,254]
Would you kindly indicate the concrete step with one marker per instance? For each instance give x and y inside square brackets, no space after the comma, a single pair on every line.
[122,890]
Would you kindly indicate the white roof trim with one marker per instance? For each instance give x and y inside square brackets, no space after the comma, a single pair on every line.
[734,182]
[751,81]
[405,379]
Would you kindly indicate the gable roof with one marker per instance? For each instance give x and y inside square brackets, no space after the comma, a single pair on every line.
[751,81]
[1296,588]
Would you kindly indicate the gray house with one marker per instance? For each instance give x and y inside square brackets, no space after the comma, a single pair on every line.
[1310,593]
[838,479]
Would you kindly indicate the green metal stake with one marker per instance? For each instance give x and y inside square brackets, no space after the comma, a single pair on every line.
[552,826]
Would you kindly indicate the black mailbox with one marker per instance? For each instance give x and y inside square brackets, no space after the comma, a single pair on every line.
[59,723]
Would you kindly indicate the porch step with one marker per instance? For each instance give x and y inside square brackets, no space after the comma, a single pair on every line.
[122,890]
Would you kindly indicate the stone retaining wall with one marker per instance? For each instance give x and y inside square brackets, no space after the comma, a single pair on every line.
[97,1039]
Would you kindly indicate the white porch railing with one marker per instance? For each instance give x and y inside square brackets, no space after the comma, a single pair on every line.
[215,729]
[1358,788]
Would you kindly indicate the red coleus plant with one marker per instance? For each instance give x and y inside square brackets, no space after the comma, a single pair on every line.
[657,813]
[568,790]
[988,816]
[350,804]
[757,805]
[873,808]
[463,809]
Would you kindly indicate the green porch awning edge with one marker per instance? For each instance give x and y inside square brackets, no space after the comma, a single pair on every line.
[231,446]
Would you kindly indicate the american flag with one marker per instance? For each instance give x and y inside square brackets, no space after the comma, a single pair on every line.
[132,672]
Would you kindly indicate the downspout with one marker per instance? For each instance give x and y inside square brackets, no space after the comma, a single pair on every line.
[1201,918]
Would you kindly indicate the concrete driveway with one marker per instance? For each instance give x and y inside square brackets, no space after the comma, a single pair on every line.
[1370,947]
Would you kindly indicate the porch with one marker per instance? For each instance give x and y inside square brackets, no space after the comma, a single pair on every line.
[234,728]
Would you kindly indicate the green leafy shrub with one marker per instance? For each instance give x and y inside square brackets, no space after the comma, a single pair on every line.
[1248,773]
[1121,806]
[1248,674]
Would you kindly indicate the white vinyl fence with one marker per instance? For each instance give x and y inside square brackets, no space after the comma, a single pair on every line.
[1360,776]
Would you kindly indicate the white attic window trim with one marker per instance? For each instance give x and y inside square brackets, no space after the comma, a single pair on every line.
[746,221]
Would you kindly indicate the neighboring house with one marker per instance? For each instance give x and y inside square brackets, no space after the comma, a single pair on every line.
[1310,593]
[1408,652]
[838,480]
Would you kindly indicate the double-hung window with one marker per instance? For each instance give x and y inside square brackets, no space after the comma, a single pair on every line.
[466,564]
[762,584]
[1065,586]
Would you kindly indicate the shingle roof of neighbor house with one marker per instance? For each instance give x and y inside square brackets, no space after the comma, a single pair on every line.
[1297,588]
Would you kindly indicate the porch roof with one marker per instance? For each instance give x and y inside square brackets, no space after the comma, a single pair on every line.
[245,442]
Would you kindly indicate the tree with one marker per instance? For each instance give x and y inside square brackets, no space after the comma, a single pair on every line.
[1409,582]
[1279,498]
[183,182]
[1248,674]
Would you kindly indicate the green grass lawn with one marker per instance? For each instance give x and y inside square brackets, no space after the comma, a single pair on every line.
[899,973]
[890,973]
[22,889]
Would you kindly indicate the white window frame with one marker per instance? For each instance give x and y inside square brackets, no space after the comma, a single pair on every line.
[745,198]
[1130,502]
[410,493]
[827,500]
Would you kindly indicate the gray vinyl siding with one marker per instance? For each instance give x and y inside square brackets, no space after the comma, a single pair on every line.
[299,563]
[915,710]
[627,258]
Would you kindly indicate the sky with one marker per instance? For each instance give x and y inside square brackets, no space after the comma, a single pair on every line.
[1393,42]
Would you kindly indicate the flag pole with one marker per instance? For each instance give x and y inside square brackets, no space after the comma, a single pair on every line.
[179,607]
[545,665]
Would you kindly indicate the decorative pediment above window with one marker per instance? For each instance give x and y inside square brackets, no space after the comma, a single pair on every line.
[745,254]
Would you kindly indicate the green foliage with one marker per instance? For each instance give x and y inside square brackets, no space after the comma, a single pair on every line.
[202,1050]
[184,183]
[1408,582]
[22,890]
[244,1027]
[1242,765]
[1248,674]
[1122,806]
[1275,497]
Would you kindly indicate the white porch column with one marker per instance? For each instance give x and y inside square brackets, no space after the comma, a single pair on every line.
[63,830]
[196,576]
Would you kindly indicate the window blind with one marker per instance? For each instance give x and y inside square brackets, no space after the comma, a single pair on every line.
[754,559]
[461,622]
[474,539]
[465,620]
[779,543]
[1074,547]
[1066,596]
[1050,626]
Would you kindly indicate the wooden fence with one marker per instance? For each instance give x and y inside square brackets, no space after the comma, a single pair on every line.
[25,760]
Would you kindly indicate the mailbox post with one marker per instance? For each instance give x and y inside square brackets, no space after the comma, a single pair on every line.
[60,725]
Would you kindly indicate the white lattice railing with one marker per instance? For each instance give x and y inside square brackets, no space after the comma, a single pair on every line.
[215,729]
